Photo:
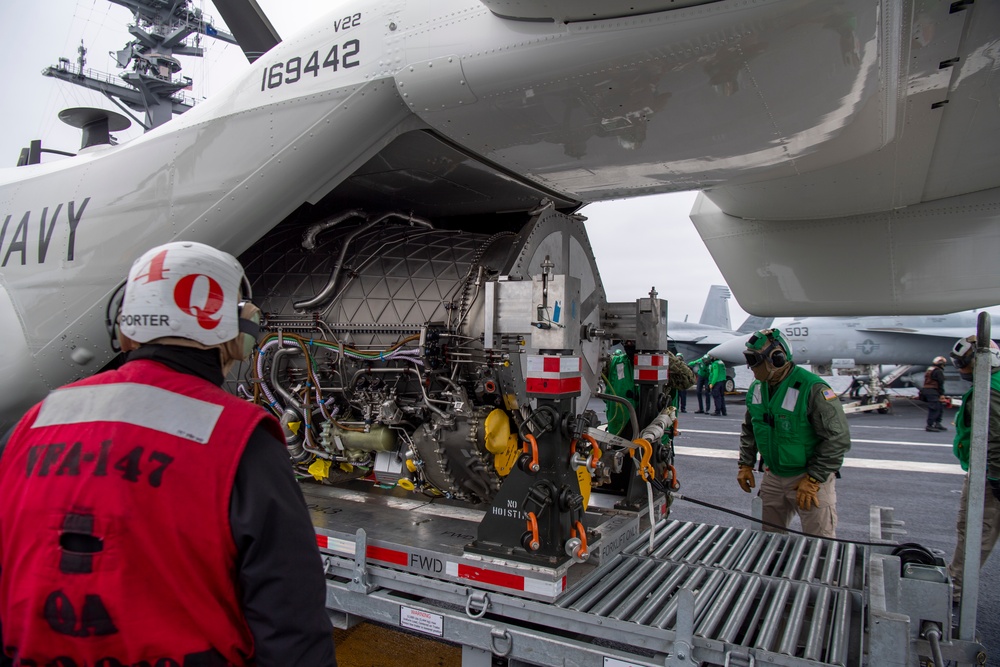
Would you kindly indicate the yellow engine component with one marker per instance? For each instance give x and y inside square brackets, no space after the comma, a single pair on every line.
[500,442]
[320,469]
[505,461]
[405,483]
[497,432]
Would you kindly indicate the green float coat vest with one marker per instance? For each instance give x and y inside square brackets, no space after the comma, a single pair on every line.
[716,372]
[963,433]
[620,382]
[785,438]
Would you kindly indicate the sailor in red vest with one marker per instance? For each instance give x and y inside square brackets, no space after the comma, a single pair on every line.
[147,517]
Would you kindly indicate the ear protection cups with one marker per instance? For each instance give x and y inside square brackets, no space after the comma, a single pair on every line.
[768,344]
[111,315]
[241,347]
[249,323]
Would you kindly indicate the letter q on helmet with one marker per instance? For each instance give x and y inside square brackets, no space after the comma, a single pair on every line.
[185,290]
[963,353]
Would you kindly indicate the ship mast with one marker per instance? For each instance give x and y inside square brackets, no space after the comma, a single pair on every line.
[153,84]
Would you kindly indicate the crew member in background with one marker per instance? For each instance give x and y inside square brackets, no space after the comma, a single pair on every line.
[794,420]
[932,391]
[680,378]
[682,393]
[700,368]
[717,382]
[149,517]
[963,356]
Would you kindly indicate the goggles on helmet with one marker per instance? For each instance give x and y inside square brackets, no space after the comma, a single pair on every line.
[754,357]
[762,344]
[962,353]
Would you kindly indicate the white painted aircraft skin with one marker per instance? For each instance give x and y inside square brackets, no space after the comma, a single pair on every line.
[789,114]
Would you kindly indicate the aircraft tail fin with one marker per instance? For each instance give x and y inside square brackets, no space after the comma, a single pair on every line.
[716,310]
[754,323]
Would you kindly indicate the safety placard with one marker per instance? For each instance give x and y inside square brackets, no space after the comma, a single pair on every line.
[613,662]
[421,621]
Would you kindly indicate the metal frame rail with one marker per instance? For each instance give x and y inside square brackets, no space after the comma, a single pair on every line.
[705,595]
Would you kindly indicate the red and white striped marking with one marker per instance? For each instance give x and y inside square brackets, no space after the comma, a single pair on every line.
[650,368]
[454,569]
[506,579]
[550,375]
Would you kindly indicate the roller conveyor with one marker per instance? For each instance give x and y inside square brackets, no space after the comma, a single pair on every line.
[729,595]
[779,594]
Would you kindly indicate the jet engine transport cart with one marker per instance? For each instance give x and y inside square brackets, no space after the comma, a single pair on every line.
[704,595]
[436,383]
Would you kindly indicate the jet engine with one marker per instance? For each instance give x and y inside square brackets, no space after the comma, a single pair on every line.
[397,351]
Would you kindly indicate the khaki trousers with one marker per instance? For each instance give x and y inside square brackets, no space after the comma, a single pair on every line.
[991,531]
[778,497]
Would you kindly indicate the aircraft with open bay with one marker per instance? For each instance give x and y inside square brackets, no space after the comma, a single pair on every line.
[818,132]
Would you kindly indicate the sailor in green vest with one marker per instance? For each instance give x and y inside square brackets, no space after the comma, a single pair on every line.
[717,382]
[797,425]
[963,356]
[700,368]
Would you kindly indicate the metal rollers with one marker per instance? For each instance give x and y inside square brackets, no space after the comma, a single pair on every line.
[782,594]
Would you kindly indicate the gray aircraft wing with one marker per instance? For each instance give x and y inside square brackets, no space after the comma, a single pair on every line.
[952,333]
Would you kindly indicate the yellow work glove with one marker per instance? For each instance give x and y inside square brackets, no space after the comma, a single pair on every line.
[805,493]
[745,478]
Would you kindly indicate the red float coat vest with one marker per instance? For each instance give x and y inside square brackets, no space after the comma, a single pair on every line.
[115,542]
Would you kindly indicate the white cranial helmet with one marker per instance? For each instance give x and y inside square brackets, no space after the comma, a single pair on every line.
[962,354]
[184,290]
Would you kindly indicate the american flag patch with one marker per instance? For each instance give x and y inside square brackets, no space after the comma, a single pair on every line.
[829,394]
